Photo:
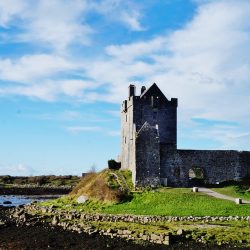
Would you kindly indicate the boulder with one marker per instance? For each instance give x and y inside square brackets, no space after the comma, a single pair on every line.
[238,201]
[82,199]
[7,202]
[180,232]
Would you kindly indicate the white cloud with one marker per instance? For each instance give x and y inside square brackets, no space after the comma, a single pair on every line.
[79,129]
[127,12]
[30,68]
[49,90]
[9,10]
[56,24]
[114,133]
[18,169]
[63,25]
[205,64]
[132,20]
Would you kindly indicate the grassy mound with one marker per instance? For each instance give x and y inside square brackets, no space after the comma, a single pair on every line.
[106,186]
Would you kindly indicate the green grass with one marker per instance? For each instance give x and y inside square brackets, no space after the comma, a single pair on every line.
[177,202]
[127,174]
[164,201]
[234,191]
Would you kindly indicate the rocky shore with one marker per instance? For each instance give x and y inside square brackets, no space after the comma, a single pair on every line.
[77,230]
[35,235]
[19,230]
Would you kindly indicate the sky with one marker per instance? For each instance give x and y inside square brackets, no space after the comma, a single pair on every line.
[65,67]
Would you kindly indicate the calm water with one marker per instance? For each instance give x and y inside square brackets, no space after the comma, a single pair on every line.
[24,199]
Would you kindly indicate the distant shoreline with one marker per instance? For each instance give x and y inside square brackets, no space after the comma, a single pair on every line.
[34,190]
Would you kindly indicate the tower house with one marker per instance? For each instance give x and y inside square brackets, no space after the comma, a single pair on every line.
[149,121]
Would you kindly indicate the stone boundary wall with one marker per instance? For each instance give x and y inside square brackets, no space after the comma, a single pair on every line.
[217,165]
[143,219]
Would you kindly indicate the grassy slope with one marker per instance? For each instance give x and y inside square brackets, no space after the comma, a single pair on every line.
[165,201]
[104,196]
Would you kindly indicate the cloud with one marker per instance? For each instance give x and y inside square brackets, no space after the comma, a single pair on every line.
[127,12]
[30,68]
[115,113]
[55,24]
[49,90]
[19,169]
[59,24]
[114,133]
[205,63]
[79,129]
[9,10]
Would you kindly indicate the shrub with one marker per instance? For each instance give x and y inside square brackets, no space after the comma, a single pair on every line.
[114,165]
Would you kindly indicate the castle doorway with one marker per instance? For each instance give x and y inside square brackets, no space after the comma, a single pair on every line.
[196,176]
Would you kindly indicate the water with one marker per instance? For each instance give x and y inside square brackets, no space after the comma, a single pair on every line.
[17,200]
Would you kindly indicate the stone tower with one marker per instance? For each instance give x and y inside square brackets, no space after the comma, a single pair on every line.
[149,121]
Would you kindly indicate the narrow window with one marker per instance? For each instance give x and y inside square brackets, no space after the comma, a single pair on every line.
[126,118]
[154,115]
[125,139]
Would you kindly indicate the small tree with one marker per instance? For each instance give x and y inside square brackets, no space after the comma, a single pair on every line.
[114,165]
[92,169]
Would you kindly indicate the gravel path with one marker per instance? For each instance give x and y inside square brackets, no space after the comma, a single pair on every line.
[220,196]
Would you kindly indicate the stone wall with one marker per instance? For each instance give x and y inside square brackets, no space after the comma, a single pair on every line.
[245,163]
[127,135]
[157,110]
[215,165]
[147,157]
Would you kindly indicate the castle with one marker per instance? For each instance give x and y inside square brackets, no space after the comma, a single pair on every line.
[149,146]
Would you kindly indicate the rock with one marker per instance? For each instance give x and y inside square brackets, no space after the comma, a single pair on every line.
[2,223]
[120,232]
[127,232]
[180,232]
[110,230]
[155,237]
[7,202]
[145,237]
[238,201]
[54,221]
[82,199]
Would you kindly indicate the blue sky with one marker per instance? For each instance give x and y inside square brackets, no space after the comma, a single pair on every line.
[65,67]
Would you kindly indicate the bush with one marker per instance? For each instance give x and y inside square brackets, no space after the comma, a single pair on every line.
[114,165]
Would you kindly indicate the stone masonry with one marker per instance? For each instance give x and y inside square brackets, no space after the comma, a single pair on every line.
[149,146]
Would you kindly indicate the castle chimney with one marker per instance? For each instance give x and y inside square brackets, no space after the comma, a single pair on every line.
[131,90]
[143,88]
